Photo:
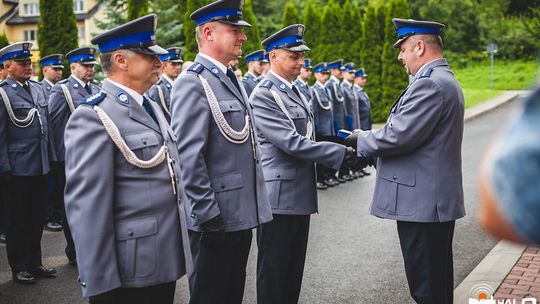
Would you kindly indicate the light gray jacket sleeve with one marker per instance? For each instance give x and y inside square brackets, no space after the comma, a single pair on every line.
[277,128]
[191,119]
[89,199]
[419,113]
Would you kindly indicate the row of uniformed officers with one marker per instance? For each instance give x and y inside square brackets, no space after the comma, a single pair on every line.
[168,176]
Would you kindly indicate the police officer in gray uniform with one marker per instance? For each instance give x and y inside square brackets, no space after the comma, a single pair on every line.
[251,78]
[285,134]
[418,150]
[65,97]
[351,100]
[171,68]
[124,195]
[360,80]
[219,156]
[52,72]
[25,152]
[301,82]
[324,122]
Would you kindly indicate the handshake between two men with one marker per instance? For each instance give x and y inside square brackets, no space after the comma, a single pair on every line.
[352,159]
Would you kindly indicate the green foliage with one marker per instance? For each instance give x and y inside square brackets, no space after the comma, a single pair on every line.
[351,32]
[57,29]
[312,22]
[291,15]
[253,41]
[3,41]
[191,49]
[330,32]
[508,75]
[115,14]
[136,8]
[169,31]
[371,60]
[394,78]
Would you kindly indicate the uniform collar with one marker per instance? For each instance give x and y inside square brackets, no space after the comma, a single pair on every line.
[301,81]
[82,83]
[320,84]
[285,82]
[169,80]
[252,75]
[424,66]
[48,82]
[218,64]
[359,87]
[335,78]
[138,97]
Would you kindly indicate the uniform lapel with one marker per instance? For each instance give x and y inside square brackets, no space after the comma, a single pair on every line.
[20,90]
[219,74]
[283,87]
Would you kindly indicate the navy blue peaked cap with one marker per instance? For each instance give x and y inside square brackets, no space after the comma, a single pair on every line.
[138,35]
[348,67]
[290,38]
[409,27]
[18,51]
[84,55]
[53,61]
[360,73]
[321,68]
[257,55]
[174,54]
[307,63]
[336,64]
[226,11]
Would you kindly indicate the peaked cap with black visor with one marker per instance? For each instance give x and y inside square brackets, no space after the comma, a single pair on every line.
[138,35]
[225,11]
[291,38]
[406,28]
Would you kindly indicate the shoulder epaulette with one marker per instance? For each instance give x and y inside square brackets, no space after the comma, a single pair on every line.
[245,78]
[426,74]
[63,81]
[2,83]
[196,68]
[95,99]
[266,84]
[33,81]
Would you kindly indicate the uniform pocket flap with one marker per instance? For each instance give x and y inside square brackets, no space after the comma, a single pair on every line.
[403,178]
[21,105]
[297,112]
[227,182]
[141,140]
[136,228]
[230,105]
[18,147]
[279,174]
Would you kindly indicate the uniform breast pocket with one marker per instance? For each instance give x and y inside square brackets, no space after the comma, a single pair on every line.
[144,144]
[280,187]
[21,109]
[234,113]
[136,247]
[299,117]
[228,192]
[397,193]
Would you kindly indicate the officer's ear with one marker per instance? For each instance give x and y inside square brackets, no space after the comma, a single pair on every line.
[119,60]
[421,47]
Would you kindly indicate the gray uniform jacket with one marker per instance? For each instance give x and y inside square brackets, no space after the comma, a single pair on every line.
[166,88]
[323,111]
[306,90]
[125,221]
[250,82]
[220,177]
[364,108]
[60,112]
[351,103]
[25,151]
[419,150]
[47,87]
[338,103]
[288,154]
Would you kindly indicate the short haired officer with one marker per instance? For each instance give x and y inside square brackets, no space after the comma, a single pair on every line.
[25,153]
[284,123]
[171,67]
[251,78]
[301,82]
[419,181]
[351,100]
[66,96]
[124,197]
[364,106]
[52,71]
[220,158]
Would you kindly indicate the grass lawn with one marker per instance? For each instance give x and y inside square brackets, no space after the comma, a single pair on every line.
[508,75]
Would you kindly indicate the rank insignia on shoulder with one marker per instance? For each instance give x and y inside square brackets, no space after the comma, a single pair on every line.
[426,74]
[63,81]
[196,68]
[122,98]
[266,84]
[95,99]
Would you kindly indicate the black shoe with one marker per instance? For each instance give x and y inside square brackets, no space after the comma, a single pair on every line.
[347,177]
[43,272]
[24,277]
[365,172]
[330,182]
[321,186]
[2,238]
[341,180]
[53,226]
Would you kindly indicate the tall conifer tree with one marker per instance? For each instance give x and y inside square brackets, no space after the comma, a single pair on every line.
[137,8]
[291,15]
[190,49]
[312,22]
[330,32]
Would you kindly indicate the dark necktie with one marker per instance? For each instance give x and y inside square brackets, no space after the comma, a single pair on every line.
[27,89]
[233,79]
[148,108]
[295,90]
[88,89]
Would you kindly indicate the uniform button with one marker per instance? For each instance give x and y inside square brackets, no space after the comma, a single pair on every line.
[144,141]
[394,177]
[130,232]
[193,216]
[222,186]
[83,284]
[278,176]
